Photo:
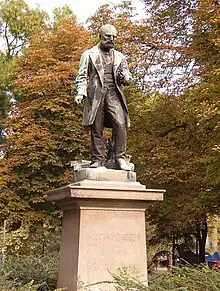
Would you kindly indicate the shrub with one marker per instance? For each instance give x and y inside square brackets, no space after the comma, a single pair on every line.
[6,284]
[187,279]
[182,279]
[21,270]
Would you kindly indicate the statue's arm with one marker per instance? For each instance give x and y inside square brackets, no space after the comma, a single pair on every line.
[81,78]
[124,73]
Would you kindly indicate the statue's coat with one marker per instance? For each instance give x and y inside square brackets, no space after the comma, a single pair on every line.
[90,81]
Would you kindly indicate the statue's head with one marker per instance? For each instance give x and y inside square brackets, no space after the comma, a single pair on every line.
[107,35]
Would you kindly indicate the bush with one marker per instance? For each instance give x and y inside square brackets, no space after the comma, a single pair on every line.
[187,279]
[6,284]
[182,279]
[21,270]
[25,273]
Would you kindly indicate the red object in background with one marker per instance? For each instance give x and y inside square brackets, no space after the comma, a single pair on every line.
[214,265]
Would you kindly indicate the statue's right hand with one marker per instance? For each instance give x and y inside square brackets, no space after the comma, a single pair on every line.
[79,98]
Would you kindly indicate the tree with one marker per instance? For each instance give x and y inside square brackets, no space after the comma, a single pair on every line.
[45,132]
[17,22]
[172,24]
[182,136]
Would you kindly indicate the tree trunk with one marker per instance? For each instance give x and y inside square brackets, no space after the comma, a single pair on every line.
[173,250]
[197,249]
[169,262]
[3,242]
[202,236]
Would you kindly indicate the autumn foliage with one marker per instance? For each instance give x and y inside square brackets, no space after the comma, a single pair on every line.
[44,133]
[174,56]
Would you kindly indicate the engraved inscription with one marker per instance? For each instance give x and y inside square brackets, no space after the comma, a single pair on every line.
[111,245]
[114,236]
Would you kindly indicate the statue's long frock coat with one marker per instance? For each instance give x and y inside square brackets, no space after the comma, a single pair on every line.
[90,82]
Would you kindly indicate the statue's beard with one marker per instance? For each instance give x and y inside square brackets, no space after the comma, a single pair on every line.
[107,45]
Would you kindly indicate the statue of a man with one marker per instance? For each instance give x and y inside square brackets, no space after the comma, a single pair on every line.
[103,71]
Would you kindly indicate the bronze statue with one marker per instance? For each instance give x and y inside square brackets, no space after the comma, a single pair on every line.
[103,71]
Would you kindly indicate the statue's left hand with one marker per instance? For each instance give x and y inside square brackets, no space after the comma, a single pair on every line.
[79,98]
[120,77]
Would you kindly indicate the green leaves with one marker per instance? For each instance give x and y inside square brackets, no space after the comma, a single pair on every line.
[18,24]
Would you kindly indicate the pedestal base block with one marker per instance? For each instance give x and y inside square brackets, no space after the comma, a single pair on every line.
[103,227]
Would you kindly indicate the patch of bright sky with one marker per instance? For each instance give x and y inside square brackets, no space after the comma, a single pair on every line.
[82,8]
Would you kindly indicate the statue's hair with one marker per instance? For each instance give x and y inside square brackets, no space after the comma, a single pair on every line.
[104,27]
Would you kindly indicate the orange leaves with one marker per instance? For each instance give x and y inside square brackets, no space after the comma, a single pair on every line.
[51,61]
[131,33]
[45,133]
[67,45]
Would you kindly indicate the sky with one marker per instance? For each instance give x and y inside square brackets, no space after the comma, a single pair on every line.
[82,8]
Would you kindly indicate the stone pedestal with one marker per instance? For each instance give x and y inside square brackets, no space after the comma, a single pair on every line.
[103,226]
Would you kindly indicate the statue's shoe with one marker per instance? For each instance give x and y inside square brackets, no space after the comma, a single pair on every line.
[122,164]
[96,164]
